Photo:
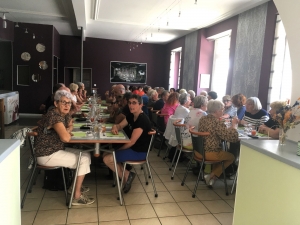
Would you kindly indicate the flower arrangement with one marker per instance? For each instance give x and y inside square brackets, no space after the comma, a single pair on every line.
[288,117]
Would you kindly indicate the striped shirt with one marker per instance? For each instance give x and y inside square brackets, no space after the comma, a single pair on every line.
[257,119]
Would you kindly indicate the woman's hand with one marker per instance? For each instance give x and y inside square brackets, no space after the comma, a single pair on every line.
[114,129]
[234,122]
[263,129]
[243,122]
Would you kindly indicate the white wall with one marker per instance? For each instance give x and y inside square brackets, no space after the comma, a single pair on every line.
[289,12]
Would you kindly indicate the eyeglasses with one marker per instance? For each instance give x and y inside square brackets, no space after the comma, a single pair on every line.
[132,103]
[66,103]
[226,100]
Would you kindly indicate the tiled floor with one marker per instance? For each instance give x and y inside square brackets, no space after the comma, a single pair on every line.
[174,204]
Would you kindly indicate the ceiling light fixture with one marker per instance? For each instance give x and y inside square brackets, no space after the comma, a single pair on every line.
[33,36]
[195,2]
[26,32]
[17,24]
[4,21]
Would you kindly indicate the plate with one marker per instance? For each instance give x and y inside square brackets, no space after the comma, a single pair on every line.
[40,47]
[25,56]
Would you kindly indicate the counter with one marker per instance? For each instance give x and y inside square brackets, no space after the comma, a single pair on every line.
[10,212]
[268,185]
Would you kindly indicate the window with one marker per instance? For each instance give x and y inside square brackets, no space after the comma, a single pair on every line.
[175,66]
[281,71]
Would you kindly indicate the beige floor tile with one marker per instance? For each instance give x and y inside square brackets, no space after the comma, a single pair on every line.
[167,178]
[167,209]
[121,222]
[112,213]
[176,220]
[48,217]
[201,185]
[27,217]
[230,202]
[175,186]
[159,187]
[37,192]
[83,215]
[107,189]
[32,204]
[83,223]
[54,194]
[206,219]
[163,197]
[137,187]
[183,196]
[155,177]
[53,203]
[221,193]
[217,206]
[207,195]
[193,208]
[107,200]
[140,211]
[136,198]
[224,218]
[156,164]
[162,170]
[151,221]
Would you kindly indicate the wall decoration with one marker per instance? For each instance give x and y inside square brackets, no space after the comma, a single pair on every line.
[25,56]
[40,47]
[43,65]
[36,77]
[128,72]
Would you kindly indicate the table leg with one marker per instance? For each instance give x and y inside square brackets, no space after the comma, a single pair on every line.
[117,178]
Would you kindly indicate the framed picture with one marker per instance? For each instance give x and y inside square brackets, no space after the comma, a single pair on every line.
[128,72]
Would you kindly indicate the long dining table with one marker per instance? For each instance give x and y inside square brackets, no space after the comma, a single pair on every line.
[83,137]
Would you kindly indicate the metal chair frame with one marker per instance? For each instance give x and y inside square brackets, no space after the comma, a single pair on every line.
[198,145]
[160,129]
[142,162]
[36,168]
[178,131]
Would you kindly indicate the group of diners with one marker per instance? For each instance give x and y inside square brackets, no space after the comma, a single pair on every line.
[129,112]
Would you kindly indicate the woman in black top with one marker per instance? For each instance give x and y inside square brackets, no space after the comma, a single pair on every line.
[271,127]
[136,125]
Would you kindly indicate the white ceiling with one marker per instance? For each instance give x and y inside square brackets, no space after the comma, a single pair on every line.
[128,20]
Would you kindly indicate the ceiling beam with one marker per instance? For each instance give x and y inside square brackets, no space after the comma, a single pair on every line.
[79,7]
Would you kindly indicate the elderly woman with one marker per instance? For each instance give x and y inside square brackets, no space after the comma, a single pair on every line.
[172,90]
[229,111]
[54,130]
[199,110]
[192,95]
[271,127]
[182,110]
[159,104]
[136,125]
[239,101]
[212,95]
[254,114]
[81,91]
[74,91]
[204,93]
[218,132]
[153,97]
[170,106]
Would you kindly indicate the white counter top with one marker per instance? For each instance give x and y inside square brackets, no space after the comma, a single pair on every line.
[285,153]
[7,146]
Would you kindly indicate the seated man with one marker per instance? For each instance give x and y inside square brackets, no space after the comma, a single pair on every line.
[136,125]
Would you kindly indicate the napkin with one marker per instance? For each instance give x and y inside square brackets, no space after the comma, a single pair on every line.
[110,135]
[79,134]
[260,134]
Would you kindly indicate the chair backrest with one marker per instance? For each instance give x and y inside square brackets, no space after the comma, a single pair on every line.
[152,133]
[31,136]
[21,135]
[161,121]
[154,117]
[179,127]
[198,141]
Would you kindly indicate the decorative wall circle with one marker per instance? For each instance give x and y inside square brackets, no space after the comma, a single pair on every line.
[25,56]
[40,47]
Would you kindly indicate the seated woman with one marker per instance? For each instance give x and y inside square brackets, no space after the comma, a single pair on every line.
[218,132]
[229,111]
[271,127]
[199,110]
[170,106]
[153,97]
[54,130]
[182,110]
[159,104]
[74,91]
[239,101]
[81,91]
[136,125]
[254,114]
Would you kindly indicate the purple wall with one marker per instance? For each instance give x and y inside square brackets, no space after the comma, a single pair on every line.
[32,96]
[7,34]
[267,54]
[98,53]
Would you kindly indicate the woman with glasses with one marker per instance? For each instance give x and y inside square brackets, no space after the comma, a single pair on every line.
[218,132]
[136,126]
[229,110]
[54,130]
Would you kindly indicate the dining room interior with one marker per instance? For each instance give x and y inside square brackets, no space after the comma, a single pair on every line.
[43,43]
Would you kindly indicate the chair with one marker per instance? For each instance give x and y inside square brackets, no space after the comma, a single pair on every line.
[178,132]
[236,175]
[198,145]
[36,168]
[142,162]
[161,127]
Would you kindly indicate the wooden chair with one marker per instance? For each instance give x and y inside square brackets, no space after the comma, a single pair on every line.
[198,145]
[36,168]
[179,127]
[142,162]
